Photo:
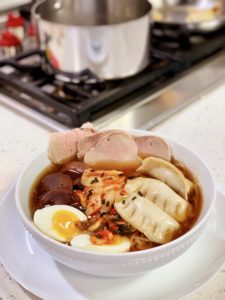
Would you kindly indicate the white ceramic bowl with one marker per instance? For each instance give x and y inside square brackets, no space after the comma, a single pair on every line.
[124,264]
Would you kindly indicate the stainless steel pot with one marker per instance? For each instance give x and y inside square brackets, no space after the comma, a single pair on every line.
[109,37]
[200,16]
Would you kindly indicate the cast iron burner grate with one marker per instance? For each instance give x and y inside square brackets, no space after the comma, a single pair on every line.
[74,100]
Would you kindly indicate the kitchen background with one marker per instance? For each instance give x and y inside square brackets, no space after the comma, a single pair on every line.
[186,65]
[53,98]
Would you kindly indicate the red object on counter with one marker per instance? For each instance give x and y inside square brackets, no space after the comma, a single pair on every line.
[9,39]
[52,58]
[32,31]
[14,21]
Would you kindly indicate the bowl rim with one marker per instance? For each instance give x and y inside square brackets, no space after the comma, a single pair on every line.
[178,241]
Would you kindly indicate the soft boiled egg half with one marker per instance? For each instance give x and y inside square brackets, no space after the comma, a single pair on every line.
[59,221]
[118,245]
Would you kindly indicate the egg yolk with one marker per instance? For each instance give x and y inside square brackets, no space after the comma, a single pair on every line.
[64,223]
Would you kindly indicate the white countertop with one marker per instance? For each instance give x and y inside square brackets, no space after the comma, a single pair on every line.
[200,126]
[10,4]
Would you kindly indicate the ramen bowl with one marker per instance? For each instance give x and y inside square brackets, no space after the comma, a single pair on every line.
[118,264]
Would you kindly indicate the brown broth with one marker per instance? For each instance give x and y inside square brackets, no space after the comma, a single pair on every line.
[196,198]
[35,191]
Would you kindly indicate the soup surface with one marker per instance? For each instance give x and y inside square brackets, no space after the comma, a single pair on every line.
[108,201]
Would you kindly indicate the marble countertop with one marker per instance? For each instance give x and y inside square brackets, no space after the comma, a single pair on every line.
[200,126]
[10,4]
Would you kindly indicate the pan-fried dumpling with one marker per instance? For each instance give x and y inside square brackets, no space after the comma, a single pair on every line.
[162,195]
[168,173]
[147,218]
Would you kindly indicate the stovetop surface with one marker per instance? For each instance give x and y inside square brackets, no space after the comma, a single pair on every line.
[30,80]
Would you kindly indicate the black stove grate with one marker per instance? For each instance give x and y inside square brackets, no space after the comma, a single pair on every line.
[28,79]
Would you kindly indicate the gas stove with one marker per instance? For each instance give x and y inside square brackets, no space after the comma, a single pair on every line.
[27,79]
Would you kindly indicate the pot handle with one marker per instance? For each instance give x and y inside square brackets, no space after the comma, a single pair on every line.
[34,7]
[35,17]
[57,4]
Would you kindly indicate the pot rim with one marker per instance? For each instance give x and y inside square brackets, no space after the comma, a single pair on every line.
[37,16]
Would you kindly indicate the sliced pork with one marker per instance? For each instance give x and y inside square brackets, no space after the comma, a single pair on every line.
[86,143]
[89,141]
[88,126]
[114,151]
[153,146]
[63,145]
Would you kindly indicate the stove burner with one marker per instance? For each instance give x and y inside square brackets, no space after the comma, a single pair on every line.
[172,38]
[81,78]
[76,98]
[179,37]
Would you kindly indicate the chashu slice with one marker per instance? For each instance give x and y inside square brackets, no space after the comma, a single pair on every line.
[86,143]
[89,141]
[63,145]
[114,151]
[153,146]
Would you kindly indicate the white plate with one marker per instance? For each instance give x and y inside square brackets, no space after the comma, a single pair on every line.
[39,273]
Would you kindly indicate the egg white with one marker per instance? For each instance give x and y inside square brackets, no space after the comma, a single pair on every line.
[43,219]
[83,242]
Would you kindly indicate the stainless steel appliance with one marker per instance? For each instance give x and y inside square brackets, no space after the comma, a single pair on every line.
[111,38]
[195,15]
